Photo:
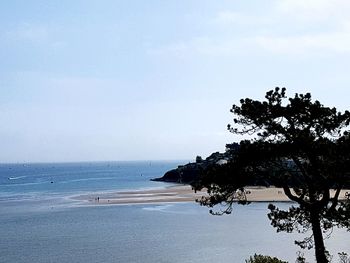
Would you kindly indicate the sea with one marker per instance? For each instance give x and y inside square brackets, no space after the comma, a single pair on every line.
[41,222]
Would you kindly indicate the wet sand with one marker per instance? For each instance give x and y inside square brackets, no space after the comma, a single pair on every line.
[181,193]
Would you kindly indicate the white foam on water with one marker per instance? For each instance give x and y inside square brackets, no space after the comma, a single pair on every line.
[157,207]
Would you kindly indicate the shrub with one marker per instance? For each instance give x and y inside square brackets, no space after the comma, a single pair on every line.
[344,258]
[263,259]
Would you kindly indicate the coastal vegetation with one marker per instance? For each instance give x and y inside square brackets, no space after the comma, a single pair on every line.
[263,259]
[294,143]
[191,172]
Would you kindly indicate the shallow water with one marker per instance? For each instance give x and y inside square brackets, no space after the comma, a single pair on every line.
[39,224]
[44,186]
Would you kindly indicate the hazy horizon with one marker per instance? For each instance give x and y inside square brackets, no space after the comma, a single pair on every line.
[98,161]
[155,80]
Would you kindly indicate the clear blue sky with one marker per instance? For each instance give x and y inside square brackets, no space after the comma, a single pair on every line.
[145,80]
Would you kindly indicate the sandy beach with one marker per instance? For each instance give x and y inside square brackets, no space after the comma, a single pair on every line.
[180,193]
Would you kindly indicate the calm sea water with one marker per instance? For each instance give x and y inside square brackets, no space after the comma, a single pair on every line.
[39,223]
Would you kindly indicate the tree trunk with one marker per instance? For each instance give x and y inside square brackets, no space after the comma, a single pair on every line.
[320,250]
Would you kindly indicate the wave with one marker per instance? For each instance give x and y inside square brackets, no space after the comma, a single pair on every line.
[157,208]
[24,184]
[46,181]
[87,179]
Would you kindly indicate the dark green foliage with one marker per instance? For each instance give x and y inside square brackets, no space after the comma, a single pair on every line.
[343,258]
[199,159]
[190,172]
[300,258]
[297,144]
[263,259]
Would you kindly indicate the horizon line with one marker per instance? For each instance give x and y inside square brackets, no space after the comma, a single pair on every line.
[96,161]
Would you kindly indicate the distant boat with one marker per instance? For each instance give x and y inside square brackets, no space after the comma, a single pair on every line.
[16,178]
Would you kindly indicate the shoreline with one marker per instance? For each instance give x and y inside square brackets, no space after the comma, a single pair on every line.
[167,194]
[176,194]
